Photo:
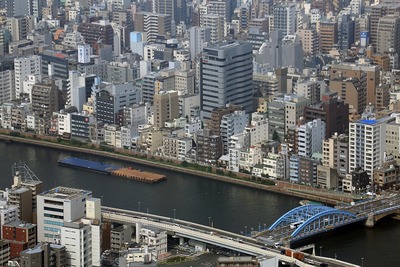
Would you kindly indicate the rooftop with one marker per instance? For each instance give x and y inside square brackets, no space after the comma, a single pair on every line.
[65,192]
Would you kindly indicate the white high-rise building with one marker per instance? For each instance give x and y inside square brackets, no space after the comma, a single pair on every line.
[84,52]
[23,67]
[199,37]
[310,137]
[367,141]
[232,124]
[77,239]
[57,206]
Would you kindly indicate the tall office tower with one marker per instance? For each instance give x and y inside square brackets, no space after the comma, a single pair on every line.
[23,67]
[199,37]
[226,77]
[175,8]
[345,32]
[388,34]
[328,32]
[378,11]
[57,206]
[216,24]
[16,8]
[154,25]
[19,27]
[367,139]
[96,32]
[336,153]
[309,138]
[166,107]
[285,18]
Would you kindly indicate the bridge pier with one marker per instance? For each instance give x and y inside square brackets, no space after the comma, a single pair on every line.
[181,241]
[370,222]
[138,226]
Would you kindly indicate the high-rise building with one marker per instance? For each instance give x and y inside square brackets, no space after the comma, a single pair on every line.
[199,37]
[332,110]
[166,107]
[226,77]
[378,11]
[309,41]
[388,35]
[16,8]
[56,207]
[231,124]
[175,8]
[19,27]
[216,24]
[328,32]
[76,237]
[392,139]
[7,83]
[23,67]
[84,52]
[154,25]
[366,74]
[336,153]
[97,32]
[43,254]
[345,32]
[137,43]
[45,98]
[367,141]
[285,18]
[309,138]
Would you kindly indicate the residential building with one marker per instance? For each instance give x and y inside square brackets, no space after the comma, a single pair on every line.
[216,24]
[309,41]
[209,147]
[199,38]
[97,31]
[392,137]
[21,236]
[309,138]
[387,175]
[331,110]
[353,91]
[77,240]
[154,25]
[367,141]
[232,124]
[43,254]
[328,32]
[166,107]
[23,67]
[285,18]
[21,197]
[216,92]
[336,153]
[377,12]
[388,35]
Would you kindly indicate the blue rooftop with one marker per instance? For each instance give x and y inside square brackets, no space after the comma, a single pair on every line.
[368,121]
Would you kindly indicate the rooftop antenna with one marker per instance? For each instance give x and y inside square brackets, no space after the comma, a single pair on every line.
[24,171]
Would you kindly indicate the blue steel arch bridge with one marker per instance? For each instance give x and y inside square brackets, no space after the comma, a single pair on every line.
[306,221]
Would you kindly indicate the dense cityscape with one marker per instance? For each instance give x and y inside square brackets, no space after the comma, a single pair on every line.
[297,97]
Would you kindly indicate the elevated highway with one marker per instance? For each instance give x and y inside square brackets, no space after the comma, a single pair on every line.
[213,236]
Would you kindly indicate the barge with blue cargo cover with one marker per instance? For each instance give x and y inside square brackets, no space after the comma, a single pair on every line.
[113,170]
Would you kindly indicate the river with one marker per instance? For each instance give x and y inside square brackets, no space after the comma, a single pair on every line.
[230,207]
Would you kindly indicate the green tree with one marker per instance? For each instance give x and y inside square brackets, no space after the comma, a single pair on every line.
[275,137]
